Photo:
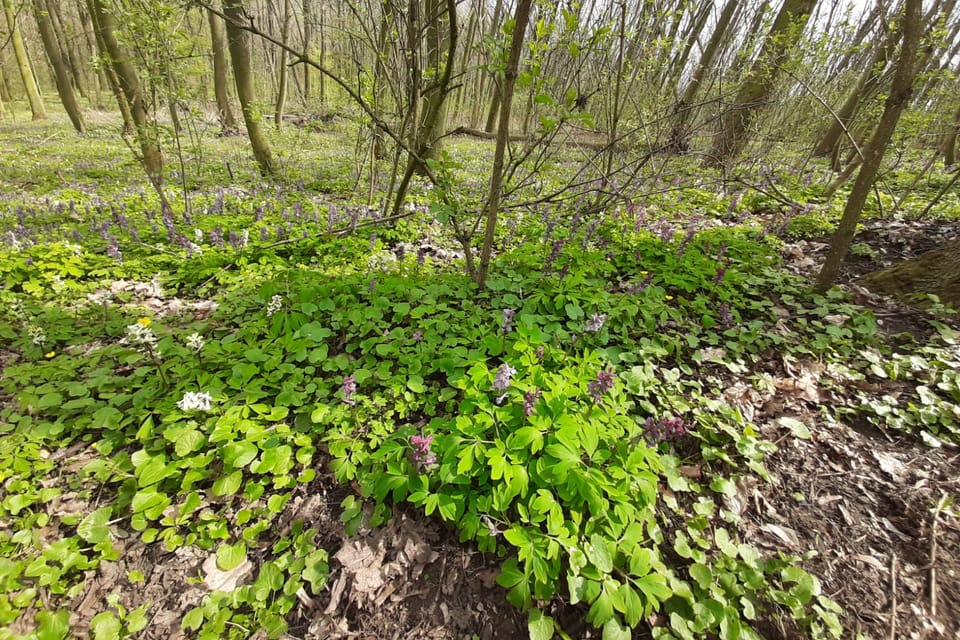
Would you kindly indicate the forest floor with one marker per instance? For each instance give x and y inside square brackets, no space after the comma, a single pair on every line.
[871,507]
[891,561]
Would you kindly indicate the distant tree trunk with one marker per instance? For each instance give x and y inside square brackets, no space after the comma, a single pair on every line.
[900,92]
[521,17]
[23,64]
[867,84]
[60,70]
[228,124]
[69,53]
[282,67]
[679,135]
[756,88]
[307,38]
[949,144]
[238,40]
[494,107]
[440,61]
[109,70]
[131,95]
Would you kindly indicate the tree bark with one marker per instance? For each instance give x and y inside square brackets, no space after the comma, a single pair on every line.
[23,64]
[228,123]
[949,144]
[282,67]
[109,71]
[238,41]
[756,88]
[60,70]
[936,272]
[70,53]
[520,18]
[900,92]
[131,95]
[680,135]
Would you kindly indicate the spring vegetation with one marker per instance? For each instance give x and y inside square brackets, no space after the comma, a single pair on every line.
[551,275]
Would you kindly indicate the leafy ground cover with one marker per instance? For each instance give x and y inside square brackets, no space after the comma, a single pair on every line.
[262,414]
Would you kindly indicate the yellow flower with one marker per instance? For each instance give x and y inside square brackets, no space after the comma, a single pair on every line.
[144,321]
[669,298]
[49,355]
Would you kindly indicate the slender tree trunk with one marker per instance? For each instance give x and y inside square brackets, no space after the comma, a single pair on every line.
[520,18]
[60,70]
[282,67]
[70,55]
[949,144]
[238,41]
[866,85]
[307,38]
[900,92]
[109,69]
[131,95]
[228,123]
[23,64]
[679,135]
[756,88]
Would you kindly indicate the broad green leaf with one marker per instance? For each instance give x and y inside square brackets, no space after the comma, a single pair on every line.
[53,625]
[599,553]
[93,528]
[231,556]
[227,485]
[105,626]
[613,630]
[539,625]
[797,428]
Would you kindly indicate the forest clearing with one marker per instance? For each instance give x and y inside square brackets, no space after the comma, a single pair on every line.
[520,320]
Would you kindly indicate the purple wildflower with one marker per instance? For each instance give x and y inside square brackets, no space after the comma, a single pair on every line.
[348,388]
[604,383]
[507,324]
[422,456]
[264,234]
[529,401]
[721,272]
[540,351]
[726,318]
[660,429]
[502,380]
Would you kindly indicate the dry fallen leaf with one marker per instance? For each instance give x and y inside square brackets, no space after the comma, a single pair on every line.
[216,579]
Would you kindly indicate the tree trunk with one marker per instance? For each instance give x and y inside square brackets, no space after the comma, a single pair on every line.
[756,88]
[679,135]
[900,92]
[520,18]
[60,70]
[307,37]
[109,70]
[23,64]
[434,113]
[238,40]
[69,53]
[949,144]
[868,83]
[282,67]
[131,95]
[228,124]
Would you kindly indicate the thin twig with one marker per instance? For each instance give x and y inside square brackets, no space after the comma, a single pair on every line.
[933,555]
[893,597]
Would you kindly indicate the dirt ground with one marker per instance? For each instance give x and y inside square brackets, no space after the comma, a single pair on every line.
[864,500]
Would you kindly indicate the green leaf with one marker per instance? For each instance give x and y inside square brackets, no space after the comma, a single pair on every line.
[632,605]
[93,528]
[613,630]
[797,428]
[599,553]
[539,626]
[239,454]
[105,626]
[231,556]
[227,485]
[701,573]
[722,537]
[601,610]
[193,620]
[53,625]
[152,472]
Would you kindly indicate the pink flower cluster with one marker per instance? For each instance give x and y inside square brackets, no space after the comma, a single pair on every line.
[423,457]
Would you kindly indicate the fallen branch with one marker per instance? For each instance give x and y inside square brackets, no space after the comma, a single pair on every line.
[893,597]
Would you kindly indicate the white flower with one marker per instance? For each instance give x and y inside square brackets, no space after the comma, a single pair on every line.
[195,342]
[37,335]
[57,284]
[595,323]
[195,401]
[244,238]
[275,304]
[198,235]
[142,338]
